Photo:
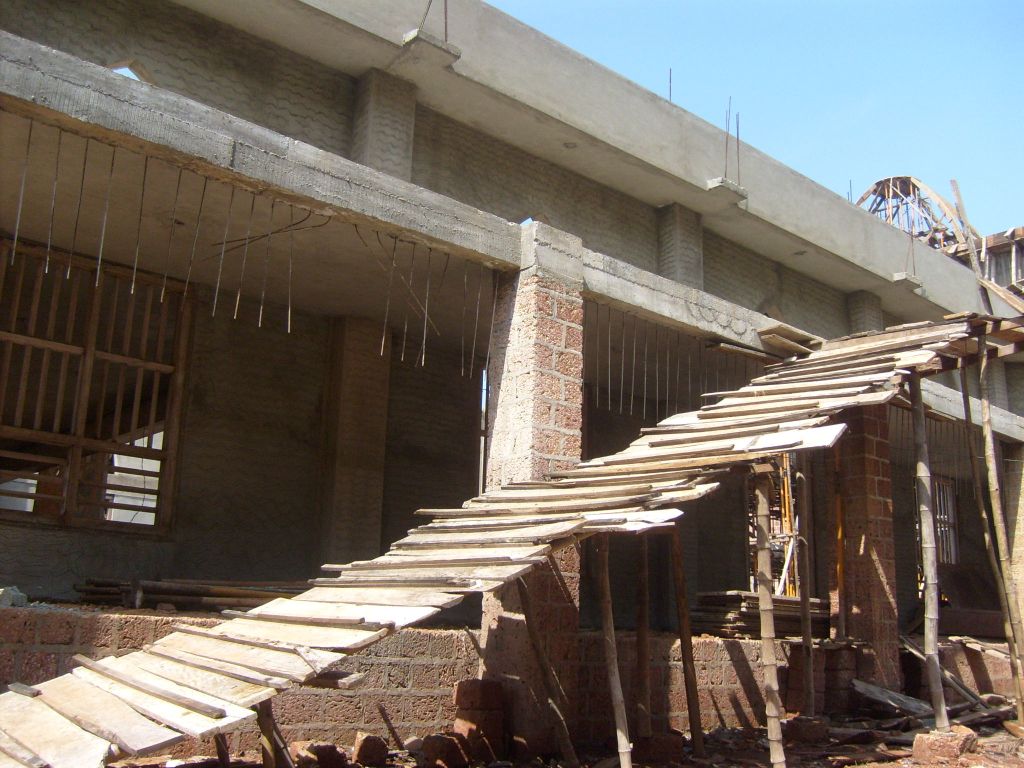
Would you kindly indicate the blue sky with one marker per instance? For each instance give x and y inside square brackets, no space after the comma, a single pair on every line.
[840,90]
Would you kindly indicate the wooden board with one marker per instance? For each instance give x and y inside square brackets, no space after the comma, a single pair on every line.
[129,665]
[9,762]
[396,615]
[96,710]
[15,753]
[284,664]
[238,672]
[229,689]
[472,571]
[333,638]
[527,534]
[408,596]
[55,739]
[171,715]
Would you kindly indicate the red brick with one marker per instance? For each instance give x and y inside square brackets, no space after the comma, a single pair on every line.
[17,625]
[57,627]
[98,630]
[37,667]
[479,695]
[8,657]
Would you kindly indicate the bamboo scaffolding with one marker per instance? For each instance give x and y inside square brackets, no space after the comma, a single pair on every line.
[926,521]
[990,547]
[769,664]
[611,657]
[686,645]
[1016,636]
[803,587]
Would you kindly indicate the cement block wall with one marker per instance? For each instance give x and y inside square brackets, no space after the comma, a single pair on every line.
[247,503]
[472,167]
[745,278]
[202,59]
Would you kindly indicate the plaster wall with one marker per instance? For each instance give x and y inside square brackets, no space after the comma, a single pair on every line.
[463,163]
[200,58]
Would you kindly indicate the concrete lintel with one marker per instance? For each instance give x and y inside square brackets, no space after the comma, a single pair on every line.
[725,193]
[420,48]
[40,82]
[697,311]
[948,401]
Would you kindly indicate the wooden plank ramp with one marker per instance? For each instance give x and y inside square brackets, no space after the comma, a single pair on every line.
[198,682]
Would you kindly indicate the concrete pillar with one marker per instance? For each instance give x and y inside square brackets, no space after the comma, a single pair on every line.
[355,435]
[681,245]
[865,484]
[998,391]
[864,310]
[385,117]
[536,402]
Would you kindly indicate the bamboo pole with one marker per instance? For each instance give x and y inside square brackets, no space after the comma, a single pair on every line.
[686,645]
[996,502]
[1012,642]
[611,657]
[926,522]
[840,520]
[265,721]
[769,663]
[557,700]
[803,587]
[643,643]
[220,743]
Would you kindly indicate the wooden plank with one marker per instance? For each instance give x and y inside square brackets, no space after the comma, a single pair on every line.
[6,761]
[105,715]
[187,721]
[667,438]
[116,668]
[513,506]
[471,572]
[494,521]
[486,555]
[279,663]
[396,615]
[334,638]
[317,660]
[810,390]
[552,492]
[398,596]
[58,741]
[237,671]
[528,534]
[229,689]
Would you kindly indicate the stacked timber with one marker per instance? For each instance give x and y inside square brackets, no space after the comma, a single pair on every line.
[735,614]
[186,594]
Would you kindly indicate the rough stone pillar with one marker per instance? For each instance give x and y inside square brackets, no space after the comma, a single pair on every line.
[355,434]
[536,402]
[385,117]
[866,487]
[681,245]
[864,311]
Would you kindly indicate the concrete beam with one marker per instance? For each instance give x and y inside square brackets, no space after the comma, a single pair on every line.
[40,82]
[947,401]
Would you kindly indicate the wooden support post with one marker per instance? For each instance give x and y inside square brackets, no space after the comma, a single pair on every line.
[557,700]
[686,644]
[926,524]
[220,742]
[769,663]
[1016,637]
[1012,642]
[643,643]
[803,585]
[840,520]
[272,743]
[611,656]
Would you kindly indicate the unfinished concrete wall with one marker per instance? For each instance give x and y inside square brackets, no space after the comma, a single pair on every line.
[251,449]
[456,160]
[433,438]
[200,58]
[742,276]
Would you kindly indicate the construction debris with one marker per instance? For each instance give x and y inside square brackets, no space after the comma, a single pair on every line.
[735,614]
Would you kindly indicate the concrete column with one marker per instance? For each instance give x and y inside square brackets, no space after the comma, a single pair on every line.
[536,402]
[385,117]
[355,435]
[870,553]
[681,245]
[864,310]
[998,391]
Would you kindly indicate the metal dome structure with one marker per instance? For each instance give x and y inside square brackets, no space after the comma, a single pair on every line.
[912,206]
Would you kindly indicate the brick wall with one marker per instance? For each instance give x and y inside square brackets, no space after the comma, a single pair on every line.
[411,673]
[866,487]
[460,162]
[193,55]
[750,280]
